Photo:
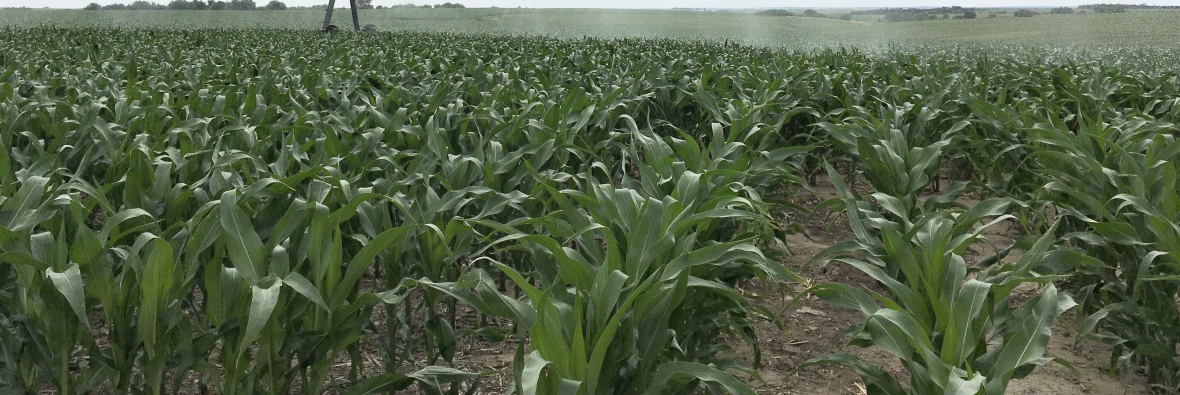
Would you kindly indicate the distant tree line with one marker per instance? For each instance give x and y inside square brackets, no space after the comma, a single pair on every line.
[774,13]
[808,13]
[886,11]
[1117,8]
[137,5]
[215,5]
[889,14]
[919,14]
[1106,8]
[243,5]
[1062,11]
[443,5]
[360,5]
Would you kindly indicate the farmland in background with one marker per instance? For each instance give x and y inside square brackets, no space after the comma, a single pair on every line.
[588,202]
[1137,28]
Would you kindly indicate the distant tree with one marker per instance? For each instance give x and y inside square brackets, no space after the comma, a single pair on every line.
[955,10]
[969,14]
[846,17]
[811,13]
[774,13]
[909,16]
[1125,7]
[188,5]
[145,5]
[449,5]
[92,7]
[1108,8]
[364,4]
[115,6]
[1061,10]
[218,5]
[1024,13]
[276,5]
[242,5]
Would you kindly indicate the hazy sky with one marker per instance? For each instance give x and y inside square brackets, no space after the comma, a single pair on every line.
[646,3]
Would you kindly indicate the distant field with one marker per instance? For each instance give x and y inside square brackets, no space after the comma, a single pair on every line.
[1132,29]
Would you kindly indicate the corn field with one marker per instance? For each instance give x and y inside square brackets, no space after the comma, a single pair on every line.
[243,211]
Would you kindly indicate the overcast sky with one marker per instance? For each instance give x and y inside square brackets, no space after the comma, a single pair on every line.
[647,3]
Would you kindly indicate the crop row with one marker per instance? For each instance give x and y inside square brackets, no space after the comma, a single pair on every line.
[242,210]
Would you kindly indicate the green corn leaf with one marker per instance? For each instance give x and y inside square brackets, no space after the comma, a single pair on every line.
[86,247]
[960,336]
[1118,232]
[112,224]
[905,296]
[1030,338]
[391,297]
[958,386]
[263,298]
[392,238]
[23,259]
[476,289]
[1091,321]
[602,341]
[155,289]
[548,337]
[605,295]
[897,332]
[844,295]
[533,377]
[528,288]
[245,248]
[23,211]
[84,187]
[300,284]
[69,283]
[321,252]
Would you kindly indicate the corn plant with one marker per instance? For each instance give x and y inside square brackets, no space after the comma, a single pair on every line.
[244,207]
[1115,185]
[953,334]
[593,300]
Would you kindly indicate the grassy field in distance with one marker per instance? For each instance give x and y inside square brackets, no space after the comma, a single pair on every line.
[1152,29]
